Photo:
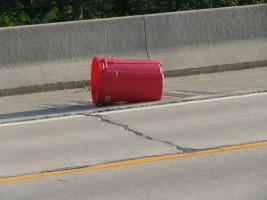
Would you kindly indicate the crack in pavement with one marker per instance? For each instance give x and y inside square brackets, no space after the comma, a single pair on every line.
[140,134]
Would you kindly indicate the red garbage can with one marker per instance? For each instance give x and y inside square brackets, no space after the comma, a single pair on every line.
[131,80]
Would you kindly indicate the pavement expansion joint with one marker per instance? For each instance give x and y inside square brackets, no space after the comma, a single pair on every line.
[140,134]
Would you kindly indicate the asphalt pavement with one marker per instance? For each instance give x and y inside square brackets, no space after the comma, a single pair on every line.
[206,139]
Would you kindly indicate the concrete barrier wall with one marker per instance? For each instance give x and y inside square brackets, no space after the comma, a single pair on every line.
[208,37]
[62,52]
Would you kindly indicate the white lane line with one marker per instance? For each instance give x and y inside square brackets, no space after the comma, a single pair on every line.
[180,103]
[40,120]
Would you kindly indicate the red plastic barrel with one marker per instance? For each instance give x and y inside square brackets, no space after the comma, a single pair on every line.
[131,80]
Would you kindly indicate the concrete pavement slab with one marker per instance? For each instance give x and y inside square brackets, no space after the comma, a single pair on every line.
[75,142]
[201,125]
[239,175]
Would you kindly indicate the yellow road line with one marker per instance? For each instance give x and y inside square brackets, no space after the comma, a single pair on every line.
[132,162]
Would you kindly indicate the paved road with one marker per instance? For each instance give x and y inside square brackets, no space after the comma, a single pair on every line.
[191,133]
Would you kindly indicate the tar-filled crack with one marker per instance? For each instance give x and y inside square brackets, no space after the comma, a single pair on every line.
[140,134]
